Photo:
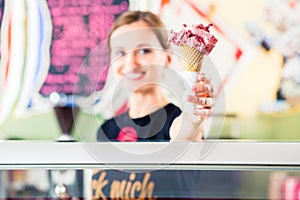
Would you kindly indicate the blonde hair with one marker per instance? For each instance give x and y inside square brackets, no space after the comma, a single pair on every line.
[153,21]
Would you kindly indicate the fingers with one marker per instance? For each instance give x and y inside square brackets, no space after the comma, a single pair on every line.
[203,86]
[203,102]
[203,90]
[204,96]
[202,77]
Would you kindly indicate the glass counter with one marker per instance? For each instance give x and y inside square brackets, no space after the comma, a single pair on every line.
[177,170]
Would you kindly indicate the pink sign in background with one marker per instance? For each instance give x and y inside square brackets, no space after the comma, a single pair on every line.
[78,28]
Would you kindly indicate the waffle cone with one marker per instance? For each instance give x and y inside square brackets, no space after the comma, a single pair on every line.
[191,58]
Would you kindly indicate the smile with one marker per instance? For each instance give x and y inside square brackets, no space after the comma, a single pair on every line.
[135,75]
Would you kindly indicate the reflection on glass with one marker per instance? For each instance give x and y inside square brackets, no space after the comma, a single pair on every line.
[158,184]
[41,184]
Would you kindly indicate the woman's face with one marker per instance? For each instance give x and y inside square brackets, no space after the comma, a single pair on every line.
[137,58]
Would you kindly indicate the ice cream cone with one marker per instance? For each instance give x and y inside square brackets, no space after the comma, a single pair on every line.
[191,58]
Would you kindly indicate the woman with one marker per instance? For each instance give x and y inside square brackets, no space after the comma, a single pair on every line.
[139,56]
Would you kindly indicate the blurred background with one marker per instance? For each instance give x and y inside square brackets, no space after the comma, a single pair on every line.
[53,58]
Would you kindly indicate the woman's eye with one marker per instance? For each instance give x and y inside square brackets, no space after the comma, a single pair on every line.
[144,51]
[119,53]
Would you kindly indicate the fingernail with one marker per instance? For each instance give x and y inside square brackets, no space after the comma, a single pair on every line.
[189,98]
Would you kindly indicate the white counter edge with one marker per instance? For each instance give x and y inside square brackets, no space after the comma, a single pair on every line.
[210,154]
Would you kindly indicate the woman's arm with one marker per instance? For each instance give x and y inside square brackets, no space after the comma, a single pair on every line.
[185,127]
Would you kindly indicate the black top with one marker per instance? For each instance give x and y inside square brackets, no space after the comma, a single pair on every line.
[153,127]
[157,184]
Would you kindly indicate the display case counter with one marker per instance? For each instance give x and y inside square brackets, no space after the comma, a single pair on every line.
[244,154]
[216,169]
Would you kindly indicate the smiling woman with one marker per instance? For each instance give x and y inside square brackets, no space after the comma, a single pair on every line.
[140,56]
[141,61]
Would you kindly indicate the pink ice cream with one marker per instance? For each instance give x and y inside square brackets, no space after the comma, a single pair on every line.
[196,36]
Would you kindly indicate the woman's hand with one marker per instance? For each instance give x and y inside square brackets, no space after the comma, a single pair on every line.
[190,128]
[204,97]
